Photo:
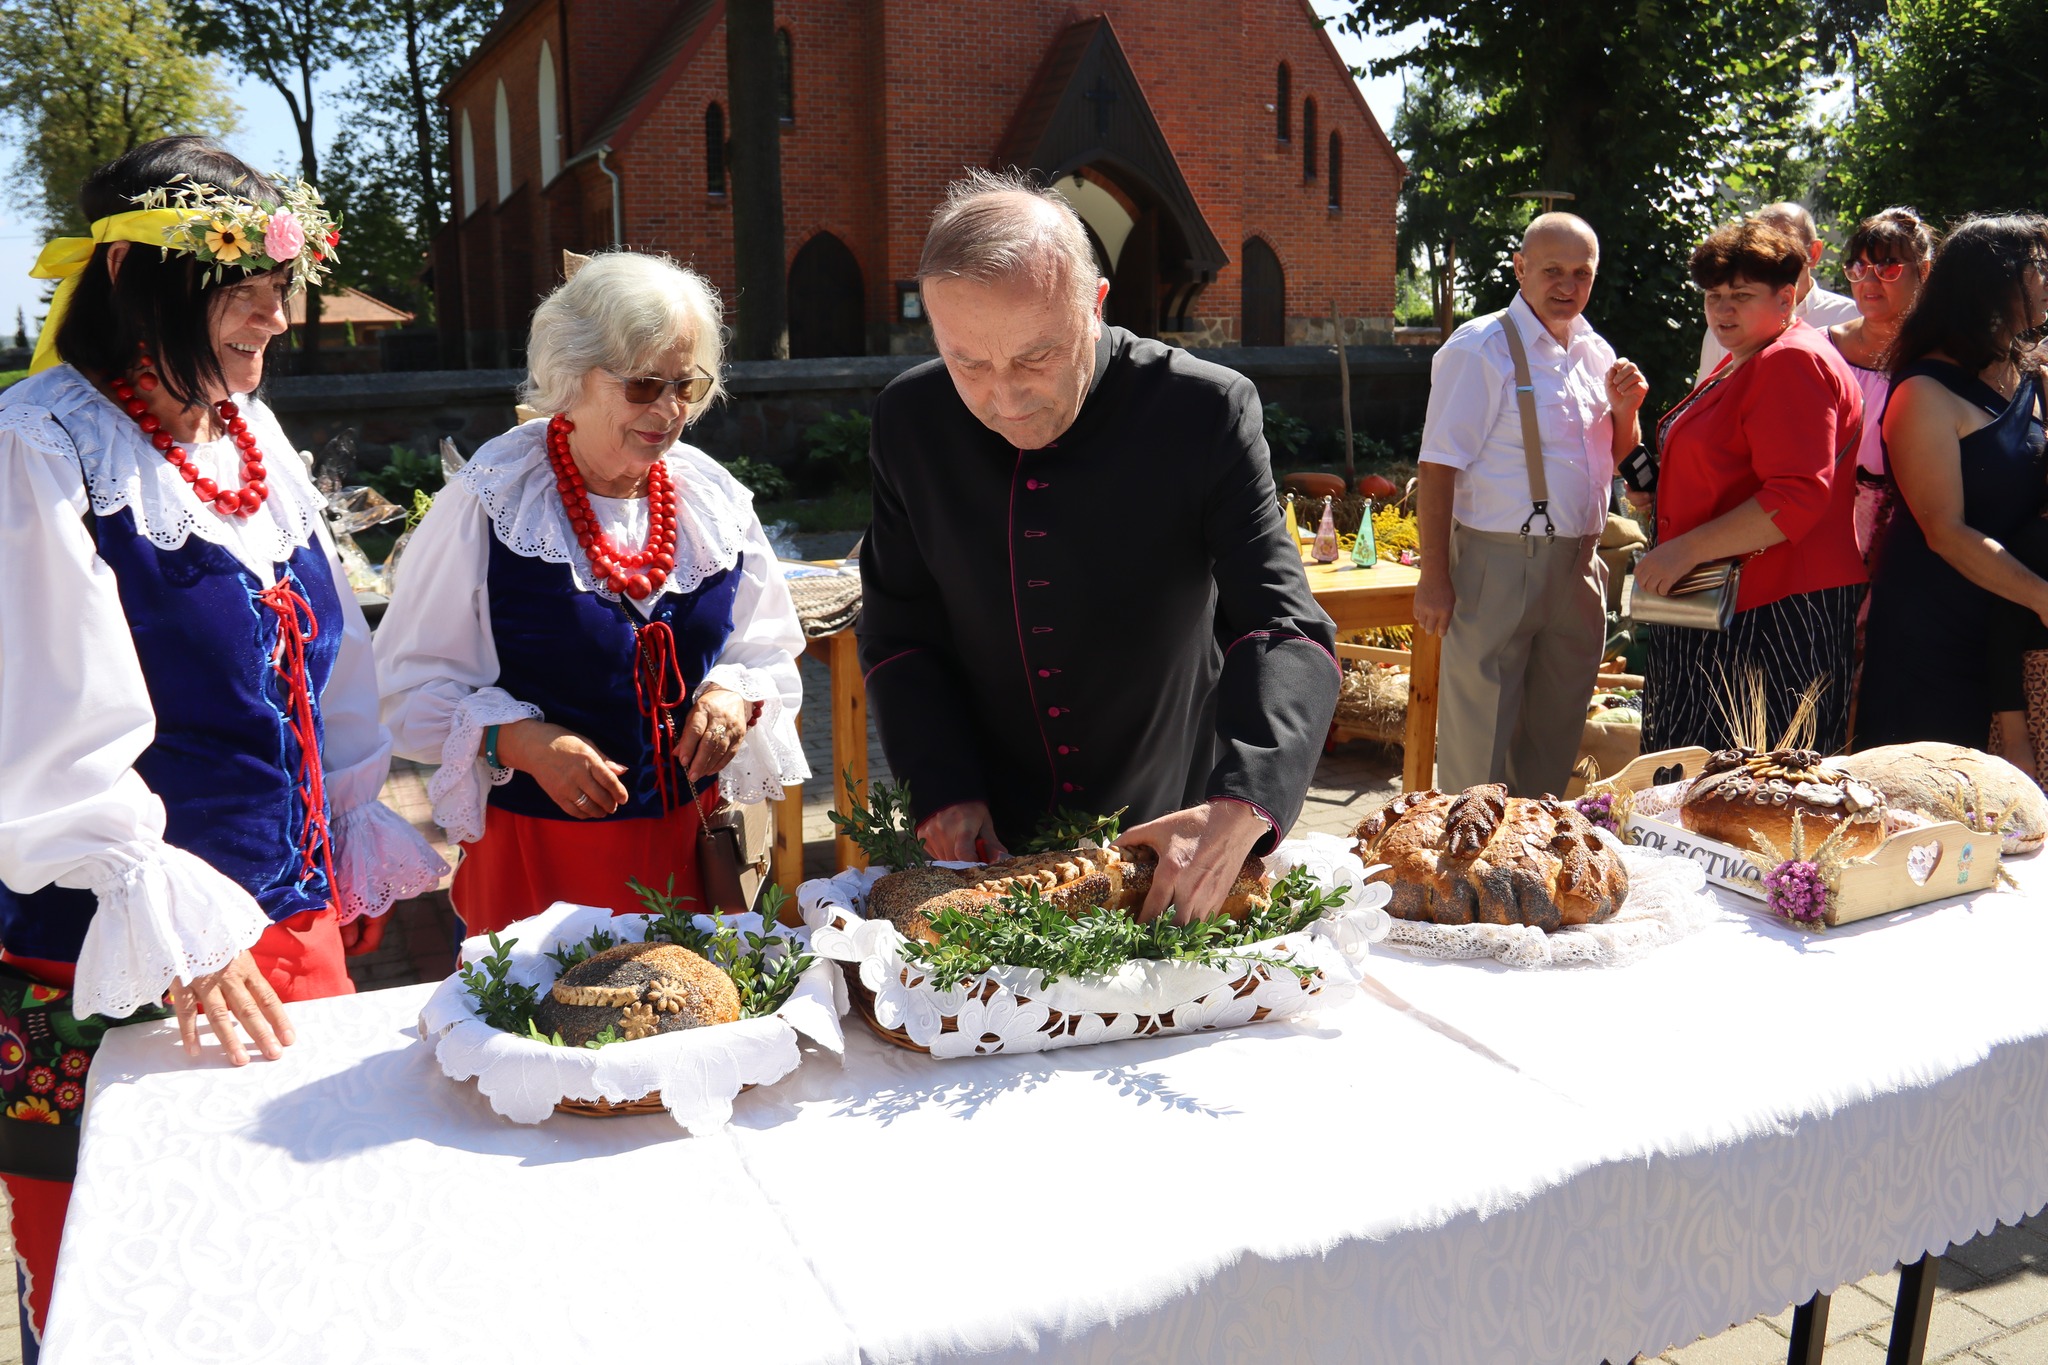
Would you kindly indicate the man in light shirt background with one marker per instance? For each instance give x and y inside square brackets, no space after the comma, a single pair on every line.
[1523,615]
[1817,306]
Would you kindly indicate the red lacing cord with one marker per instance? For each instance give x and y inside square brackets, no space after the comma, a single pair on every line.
[659,689]
[296,626]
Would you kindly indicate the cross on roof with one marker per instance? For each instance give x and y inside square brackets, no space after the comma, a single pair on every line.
[1103,94]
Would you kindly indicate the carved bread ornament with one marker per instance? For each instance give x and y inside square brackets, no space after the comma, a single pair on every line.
[1074,880]
[637,990]
[1743,791]
[1484,857]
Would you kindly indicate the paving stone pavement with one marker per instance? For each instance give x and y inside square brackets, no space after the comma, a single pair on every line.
[1991,1304]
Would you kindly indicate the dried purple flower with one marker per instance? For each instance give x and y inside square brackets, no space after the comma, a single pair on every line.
[1797,891]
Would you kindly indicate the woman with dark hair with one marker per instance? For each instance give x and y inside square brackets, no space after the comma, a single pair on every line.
[1888,256]
[188,782]
[1963,437]
[1753,464]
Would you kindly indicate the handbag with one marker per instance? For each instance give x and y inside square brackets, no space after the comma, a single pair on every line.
[732,853]
[1702,600]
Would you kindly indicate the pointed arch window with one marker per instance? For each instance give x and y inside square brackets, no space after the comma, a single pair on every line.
[550,124]
[1283,104]
[1308,140]
[785,76]
[1336,175]
[468,167]
[714,149]
[501,117]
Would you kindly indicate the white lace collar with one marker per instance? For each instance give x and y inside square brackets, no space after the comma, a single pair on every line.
[511,477]
[58,409]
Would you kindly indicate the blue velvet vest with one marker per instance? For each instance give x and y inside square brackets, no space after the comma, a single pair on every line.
[225,759]
[571,653]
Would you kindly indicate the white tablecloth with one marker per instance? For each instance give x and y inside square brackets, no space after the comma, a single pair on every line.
[1483,1166]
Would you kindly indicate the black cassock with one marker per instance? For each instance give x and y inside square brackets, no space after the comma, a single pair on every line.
[1114,620]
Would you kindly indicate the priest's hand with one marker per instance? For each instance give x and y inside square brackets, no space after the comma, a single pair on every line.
[962,833]
[237,991]
[713,732]
[1200,852]
[582,781]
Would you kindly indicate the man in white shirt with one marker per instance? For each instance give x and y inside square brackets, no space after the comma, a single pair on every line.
[1819,307]
[1509,574]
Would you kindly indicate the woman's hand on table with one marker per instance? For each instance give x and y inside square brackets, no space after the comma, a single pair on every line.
[713,731]
[1201,850]
[582,781]
[962,833]
[1661,569]
[237,992]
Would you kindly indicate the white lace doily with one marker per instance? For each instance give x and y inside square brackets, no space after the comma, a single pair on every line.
[379,859]
[1667,900]
[698,1071]
[1011,1009]
[512,478]
[58,410]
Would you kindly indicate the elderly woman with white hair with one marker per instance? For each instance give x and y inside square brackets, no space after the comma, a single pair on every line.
[592,637]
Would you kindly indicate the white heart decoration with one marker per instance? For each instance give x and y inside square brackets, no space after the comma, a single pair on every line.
[1922,859]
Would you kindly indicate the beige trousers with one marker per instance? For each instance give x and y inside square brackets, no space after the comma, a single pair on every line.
[1519,659]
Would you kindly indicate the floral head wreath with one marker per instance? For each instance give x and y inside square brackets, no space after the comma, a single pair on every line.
[219,228]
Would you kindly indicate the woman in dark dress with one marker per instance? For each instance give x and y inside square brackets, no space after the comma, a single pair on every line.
[1963,437]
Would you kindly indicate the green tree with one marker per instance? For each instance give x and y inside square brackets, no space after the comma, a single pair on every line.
[1949,115]
[83,81]
[1650,112]
[1455,201]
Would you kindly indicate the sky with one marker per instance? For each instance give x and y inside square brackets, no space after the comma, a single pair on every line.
[265,139]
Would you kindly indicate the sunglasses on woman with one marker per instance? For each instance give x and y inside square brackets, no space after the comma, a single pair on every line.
[640,390]
[1887,272]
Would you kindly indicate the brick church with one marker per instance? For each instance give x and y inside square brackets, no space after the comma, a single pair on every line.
[1234,181]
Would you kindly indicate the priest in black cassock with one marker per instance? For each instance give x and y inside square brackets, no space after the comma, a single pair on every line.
[1078,590]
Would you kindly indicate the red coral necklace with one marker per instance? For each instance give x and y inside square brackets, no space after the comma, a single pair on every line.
[229,502]
[635,575]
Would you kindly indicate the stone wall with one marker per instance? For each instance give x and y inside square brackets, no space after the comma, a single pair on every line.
[770,403]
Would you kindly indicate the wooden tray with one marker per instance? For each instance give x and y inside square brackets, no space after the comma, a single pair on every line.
[1878,884]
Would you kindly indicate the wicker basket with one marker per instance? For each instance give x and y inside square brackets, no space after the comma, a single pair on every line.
[825,603]
[605,1109]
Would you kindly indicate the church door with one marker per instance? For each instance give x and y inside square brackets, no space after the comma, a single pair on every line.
[1264,321]
[827,300]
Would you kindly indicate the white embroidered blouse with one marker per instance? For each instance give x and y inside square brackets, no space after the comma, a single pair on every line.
[437,662]
[75,712]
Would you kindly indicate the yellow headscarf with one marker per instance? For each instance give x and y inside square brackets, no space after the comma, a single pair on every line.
[64,258]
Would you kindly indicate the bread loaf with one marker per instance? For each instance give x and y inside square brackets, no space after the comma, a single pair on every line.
[1949,782]
[1076,881]
[1741,791]
[637,990]
[1484,857]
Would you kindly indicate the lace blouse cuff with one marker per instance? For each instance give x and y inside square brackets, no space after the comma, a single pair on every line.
[163,914]
[378,859]
[458,787]
[771,757]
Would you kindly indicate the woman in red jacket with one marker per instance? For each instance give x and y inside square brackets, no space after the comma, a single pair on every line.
[1757,461]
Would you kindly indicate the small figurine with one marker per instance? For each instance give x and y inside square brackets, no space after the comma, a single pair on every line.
[1293,524]
[1326,536]
[1364,553]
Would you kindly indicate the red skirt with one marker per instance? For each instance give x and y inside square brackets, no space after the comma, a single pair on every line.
[301,958]
[523,864]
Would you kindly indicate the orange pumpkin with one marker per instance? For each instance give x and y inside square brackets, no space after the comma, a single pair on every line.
[1314,485]
[1377,486]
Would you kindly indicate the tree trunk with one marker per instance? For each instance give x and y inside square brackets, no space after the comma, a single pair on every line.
[309,161]
[756,179]
[427,215]
[1447,292]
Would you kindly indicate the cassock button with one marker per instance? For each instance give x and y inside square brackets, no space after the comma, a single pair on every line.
[1045,673]
[1065,750]
[1053,711]
[1034,535]
[1068,787]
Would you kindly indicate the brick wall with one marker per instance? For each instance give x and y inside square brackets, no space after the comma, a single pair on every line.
[893,98]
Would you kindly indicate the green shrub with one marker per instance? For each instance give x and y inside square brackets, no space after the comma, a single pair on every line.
[408,472]
[763,480]
[836,452]
[1286,434]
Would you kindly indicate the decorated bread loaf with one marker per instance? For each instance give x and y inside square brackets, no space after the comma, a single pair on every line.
[1949,782]
[1076,881]
[1484,857]
[637,990]
[1741,791]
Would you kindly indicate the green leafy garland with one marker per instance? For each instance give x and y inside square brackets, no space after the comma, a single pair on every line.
[1023,929]
[765,967]
[882,827]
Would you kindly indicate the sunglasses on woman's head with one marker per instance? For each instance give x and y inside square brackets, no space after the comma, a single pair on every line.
[641,390]
[1887,272]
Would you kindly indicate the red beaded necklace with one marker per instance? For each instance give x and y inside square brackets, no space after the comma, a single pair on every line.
[229,502]
[636,575]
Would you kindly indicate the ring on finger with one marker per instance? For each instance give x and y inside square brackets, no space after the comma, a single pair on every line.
[582,799]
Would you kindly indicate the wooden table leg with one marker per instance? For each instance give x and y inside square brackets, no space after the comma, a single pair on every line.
[1418,750]
[1914,1311]
[849,738]
[787,858]
[1809,1331]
